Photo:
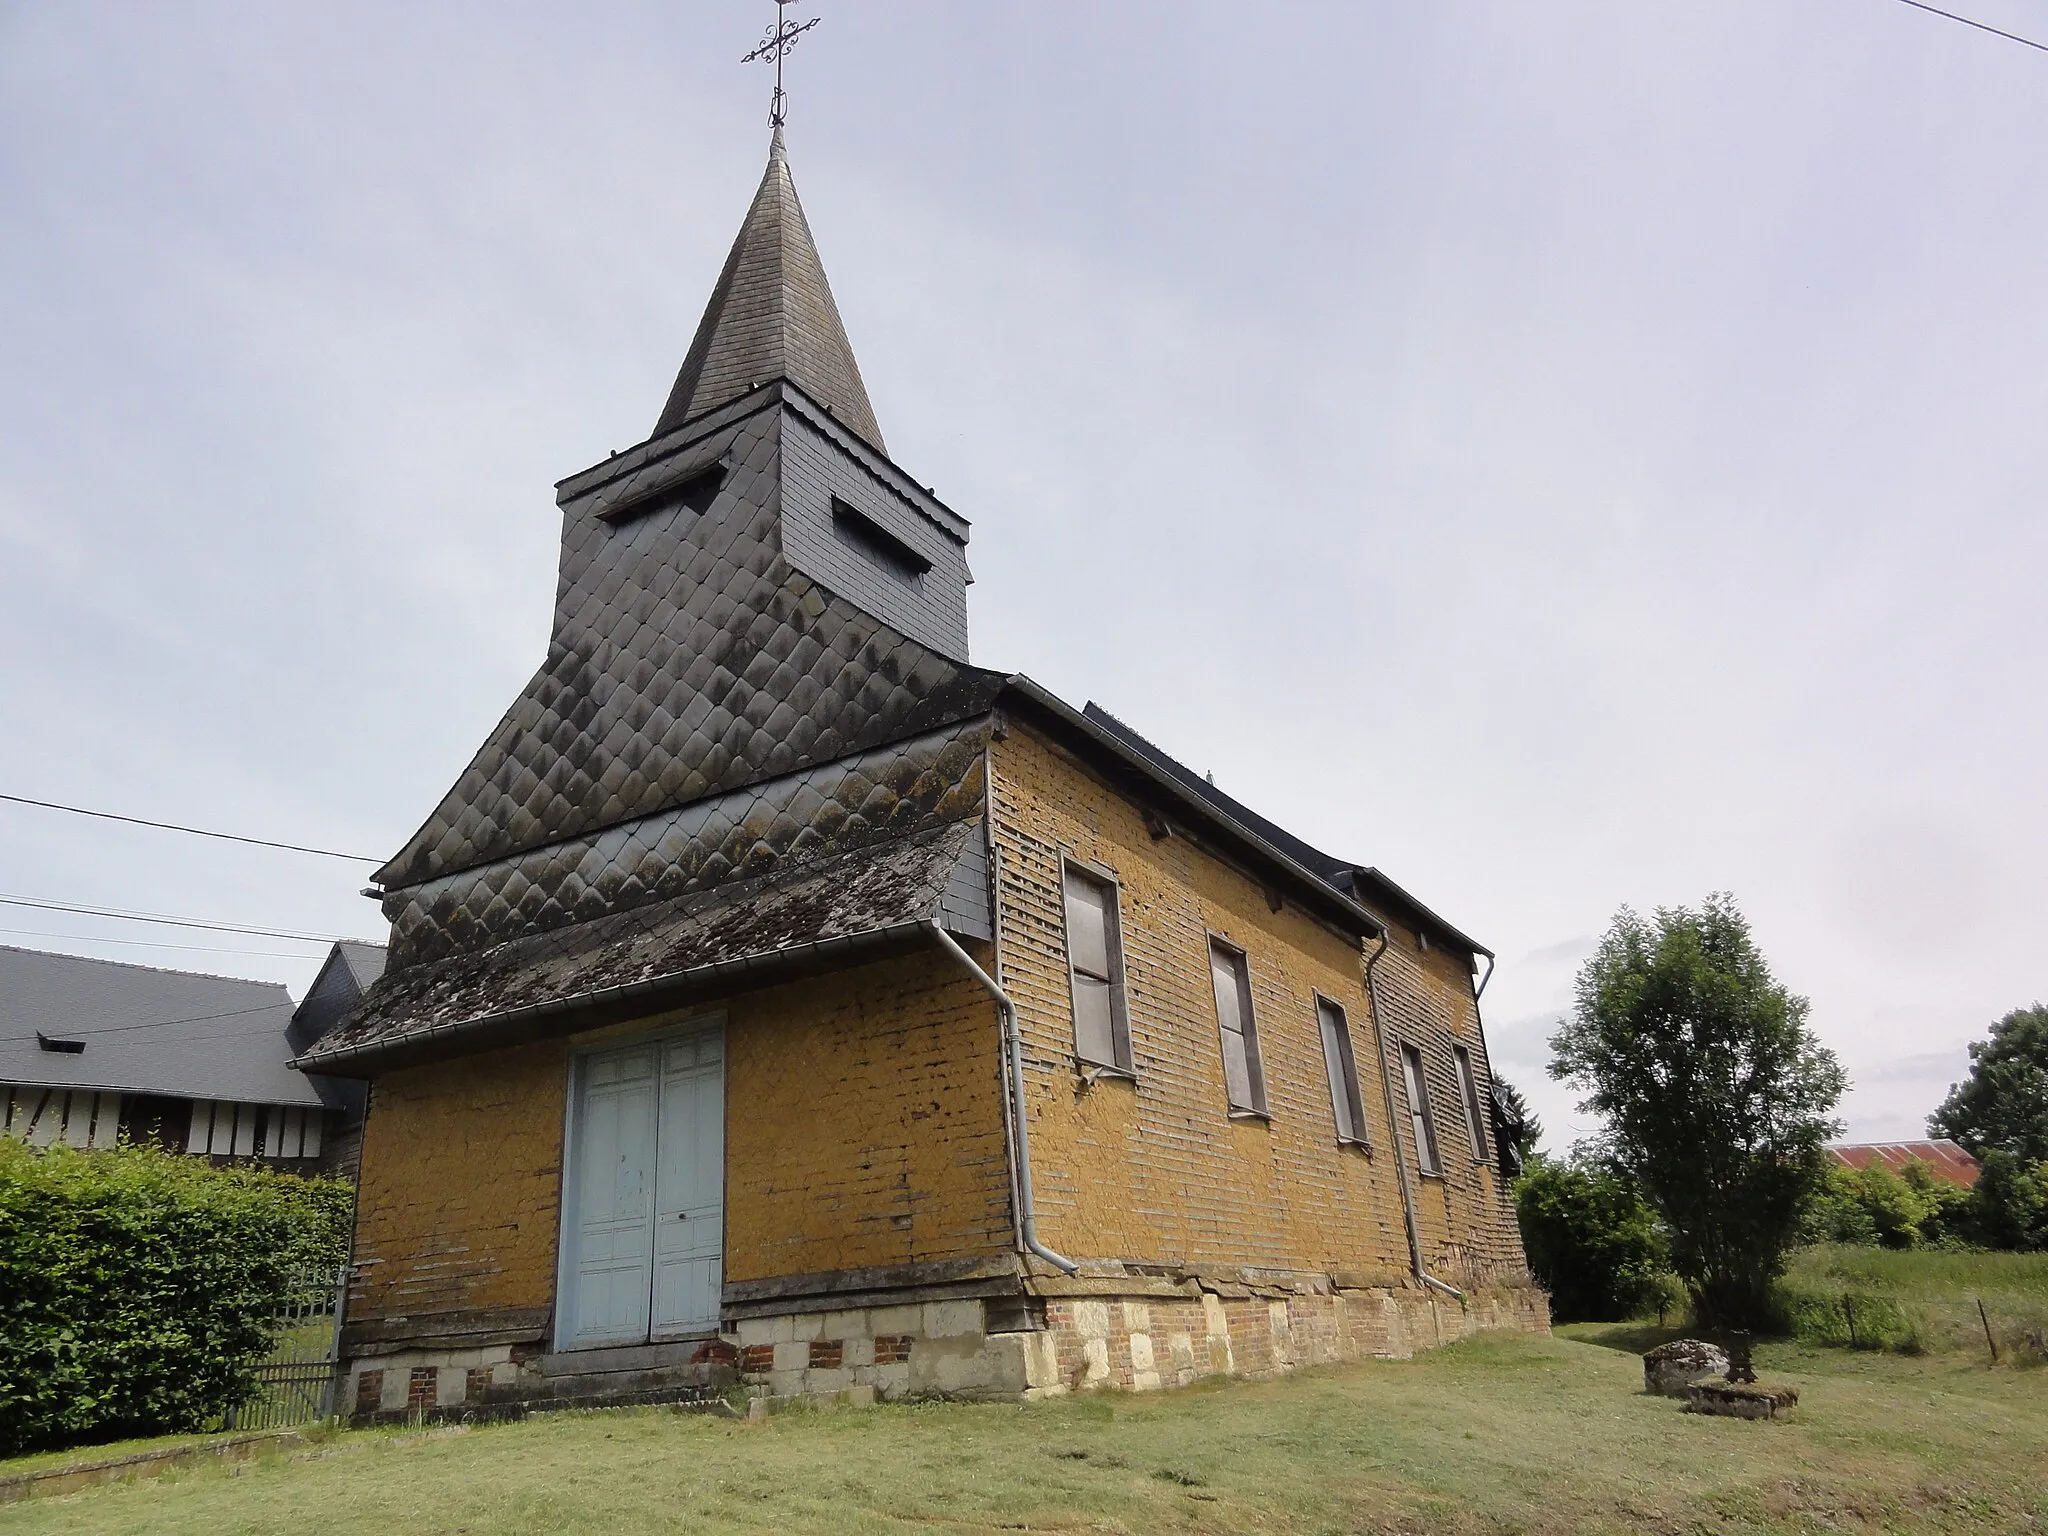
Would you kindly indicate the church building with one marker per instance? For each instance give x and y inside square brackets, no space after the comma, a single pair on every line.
[779,999]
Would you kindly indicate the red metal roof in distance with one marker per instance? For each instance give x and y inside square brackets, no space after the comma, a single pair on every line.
[1944,1159]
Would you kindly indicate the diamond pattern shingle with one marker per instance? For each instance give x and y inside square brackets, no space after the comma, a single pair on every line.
[688,659]
[880,795]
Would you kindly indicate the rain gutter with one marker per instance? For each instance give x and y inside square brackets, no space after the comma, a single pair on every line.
[1013,1053]
[1372,997]
[701,979]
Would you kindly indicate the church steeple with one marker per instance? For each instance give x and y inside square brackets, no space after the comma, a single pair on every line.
[771,316]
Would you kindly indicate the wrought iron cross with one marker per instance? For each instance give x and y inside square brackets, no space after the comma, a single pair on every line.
[774,48]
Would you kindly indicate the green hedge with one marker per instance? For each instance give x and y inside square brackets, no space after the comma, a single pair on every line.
[1591,1240]
[136,1286]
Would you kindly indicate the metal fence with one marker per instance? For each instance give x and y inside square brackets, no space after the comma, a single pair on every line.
[295,1383]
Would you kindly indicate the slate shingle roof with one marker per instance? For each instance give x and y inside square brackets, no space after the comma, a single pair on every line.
[689,658]
[771,316]
[739,935]
[146,1030]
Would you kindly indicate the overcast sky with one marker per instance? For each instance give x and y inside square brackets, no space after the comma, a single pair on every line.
[1564,455]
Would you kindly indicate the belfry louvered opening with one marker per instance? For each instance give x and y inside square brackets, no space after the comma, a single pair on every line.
[878,543]
[694,492]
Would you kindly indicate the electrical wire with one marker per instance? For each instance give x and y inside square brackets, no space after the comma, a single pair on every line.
[2011,37]
[176,922]
[91,1032]
[197,949]
[172,826]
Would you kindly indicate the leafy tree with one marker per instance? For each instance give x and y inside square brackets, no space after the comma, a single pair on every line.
[2009,1206]
[2003,1104]
[1717,1097]
[1590,1239]
[1516,1130]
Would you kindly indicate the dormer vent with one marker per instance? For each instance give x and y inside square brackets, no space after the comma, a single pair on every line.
[61,1047]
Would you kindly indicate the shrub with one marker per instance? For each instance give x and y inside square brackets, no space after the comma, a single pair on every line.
[1874,1205]
[136,1286]
[1591,1240]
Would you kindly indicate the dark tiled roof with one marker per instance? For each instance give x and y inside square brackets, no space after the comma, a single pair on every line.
[146,1030]
[365,962]
[1310,858]
[866,797]
[772,317]
[1944,1159]
[738,936]
[689,659]
[1361,882]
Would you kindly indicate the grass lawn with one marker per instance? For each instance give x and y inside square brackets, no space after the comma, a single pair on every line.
[1924,1298]
[1498,1434]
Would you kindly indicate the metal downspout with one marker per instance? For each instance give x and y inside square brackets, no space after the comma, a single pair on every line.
[1372,998]
[1013,1052]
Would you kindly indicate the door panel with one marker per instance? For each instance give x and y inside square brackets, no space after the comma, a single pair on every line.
[614,1197]
[689,1227]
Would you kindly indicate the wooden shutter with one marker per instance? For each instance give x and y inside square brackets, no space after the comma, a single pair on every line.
[1243,1081]
[1101,1035]
[1343,1070]
[1418,1111]
[1468,1088]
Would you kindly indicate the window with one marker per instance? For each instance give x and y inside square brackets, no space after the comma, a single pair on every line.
[1244,1079]
[1468,1090]
[878,543]
[1102,1030]
[1343,1069]
[1418,1113]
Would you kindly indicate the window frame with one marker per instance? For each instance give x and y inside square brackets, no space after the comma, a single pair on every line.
[1421,1117]
[1468,1090]
[1343,1075]
[1254,1058]
[1089,872]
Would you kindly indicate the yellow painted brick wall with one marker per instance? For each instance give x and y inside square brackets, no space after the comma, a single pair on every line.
[1155,1170]
[1468,1218]
[461,1185]
[865,1122]
[863,1127]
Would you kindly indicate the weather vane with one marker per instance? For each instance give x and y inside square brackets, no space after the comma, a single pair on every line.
[774,48]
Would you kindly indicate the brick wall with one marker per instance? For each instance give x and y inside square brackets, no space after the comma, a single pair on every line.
[1468,1216]
[863,1127]
[864,1122]
[461,1182]
[1155,1171]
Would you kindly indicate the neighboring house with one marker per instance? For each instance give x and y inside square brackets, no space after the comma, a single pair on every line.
[777,994]
[95,1051]
[1943,1158]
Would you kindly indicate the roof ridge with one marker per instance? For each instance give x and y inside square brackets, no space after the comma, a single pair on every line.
[130,965]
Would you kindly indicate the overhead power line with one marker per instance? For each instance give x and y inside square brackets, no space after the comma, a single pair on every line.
[99,938]
[172,826]
[176,922]
[2011,37]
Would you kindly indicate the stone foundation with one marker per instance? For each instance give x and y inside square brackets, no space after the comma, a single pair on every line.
[1132,1332]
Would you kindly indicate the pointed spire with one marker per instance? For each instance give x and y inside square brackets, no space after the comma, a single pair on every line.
[772,316]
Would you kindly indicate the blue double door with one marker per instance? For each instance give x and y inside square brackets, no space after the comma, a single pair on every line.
[644,1223]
